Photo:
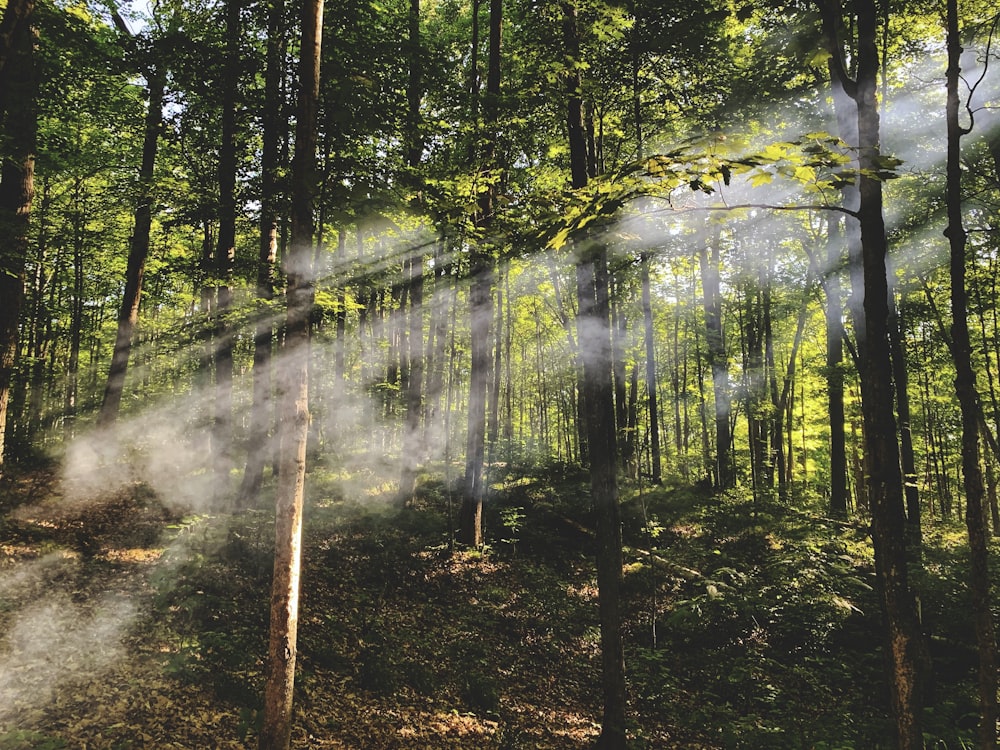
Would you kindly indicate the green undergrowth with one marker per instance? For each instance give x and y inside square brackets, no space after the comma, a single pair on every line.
[748,625]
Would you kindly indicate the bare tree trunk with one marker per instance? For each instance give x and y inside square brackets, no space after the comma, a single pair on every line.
[138,252]
[907,659]
[900,381]
[653,410]
[716,351]
[595,347]
[294,393]
[834,371]
[481,310]
[906,651]
[414,268]
[968,398]
[75,312]
[259,444]
[17,186]
[16,15]
[225,258]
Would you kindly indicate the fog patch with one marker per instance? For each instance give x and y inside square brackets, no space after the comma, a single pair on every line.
[58,642]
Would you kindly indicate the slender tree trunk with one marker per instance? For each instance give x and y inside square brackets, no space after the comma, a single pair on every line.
[708,260]
[481,307]
[907,659]
[619,326]
[900,381]
[443,302]
[259,448]
[906,651]
[782,401]
[414,268]
[412,452]
[968,398]
[294,393]
[138,251]
[594,337]
[17,187]
[493,416]
[225,257]
[653,410]
[834,370]
[776,419]
[75,313]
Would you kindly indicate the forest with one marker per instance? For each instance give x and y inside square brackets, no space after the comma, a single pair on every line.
[481,374]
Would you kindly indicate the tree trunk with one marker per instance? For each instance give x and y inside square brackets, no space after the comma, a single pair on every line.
[654,413]
[75,312]
[259,445]
[17,117]
[834,370]
[138,251]
[594,338]
[900,379]
[414,268]
[716,351]
[225,257]
[906,651]
[16,15]
[294,393]
[481,308]
[782,402]
[968,398]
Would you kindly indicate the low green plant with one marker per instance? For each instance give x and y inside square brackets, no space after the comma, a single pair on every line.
[512,519]
[20,739]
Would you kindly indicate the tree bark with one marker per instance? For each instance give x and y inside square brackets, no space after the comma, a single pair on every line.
[906,651]
[294,393]
[968,398]
[907,659]
[128,314]
[16,15]
[481,307]
[414,268]
[900,379]
[653,410]
[708,260]
[225,256]
[595,347]
[834,370]
[17,116]
[259,445]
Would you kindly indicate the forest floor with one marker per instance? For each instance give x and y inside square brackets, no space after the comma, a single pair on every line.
[128,625]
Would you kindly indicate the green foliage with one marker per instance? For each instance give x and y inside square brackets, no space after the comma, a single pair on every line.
[28,740]
[201,594]
[818,163]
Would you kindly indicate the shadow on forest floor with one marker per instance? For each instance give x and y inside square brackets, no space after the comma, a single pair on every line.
[126,625]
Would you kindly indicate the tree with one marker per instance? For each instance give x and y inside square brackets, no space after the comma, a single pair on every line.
[413,267]
[480,300]
[267,244]
[648,342]
[293,390]
[708,261]
[17,187]
[225,251]
[595,352]
[128,315]
[907,657]
[968,399]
